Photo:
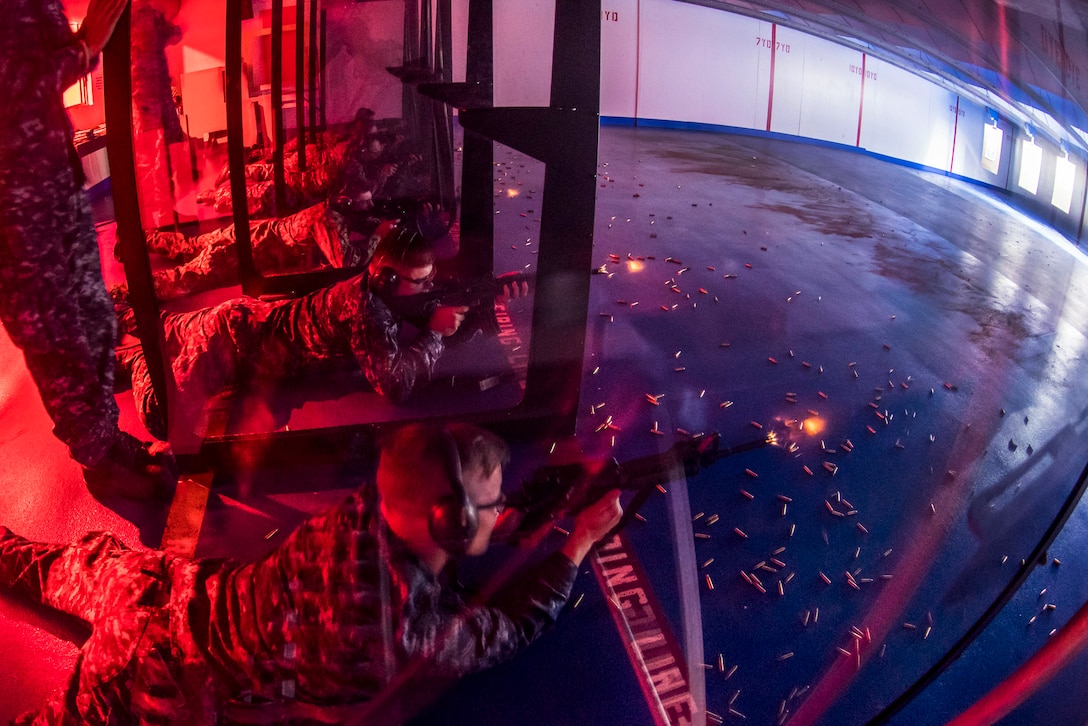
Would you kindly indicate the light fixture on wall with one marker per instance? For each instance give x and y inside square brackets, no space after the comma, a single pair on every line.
[992,140]
[1031,162]
[1064,175]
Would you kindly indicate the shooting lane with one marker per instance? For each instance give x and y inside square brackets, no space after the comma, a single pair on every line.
[916,345]
[928,411]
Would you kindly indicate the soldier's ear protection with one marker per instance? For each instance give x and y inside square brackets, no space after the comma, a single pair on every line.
[384,279]
[454,518]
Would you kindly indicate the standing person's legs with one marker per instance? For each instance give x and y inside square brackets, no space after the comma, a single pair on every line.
[54,305]
[46,309]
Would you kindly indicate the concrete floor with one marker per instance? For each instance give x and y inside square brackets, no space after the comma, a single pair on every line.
[759,268]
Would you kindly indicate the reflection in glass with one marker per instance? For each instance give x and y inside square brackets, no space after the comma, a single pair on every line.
[384,331]
[339,151]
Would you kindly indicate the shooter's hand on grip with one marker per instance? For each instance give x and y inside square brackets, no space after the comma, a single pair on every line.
[592,524]
[447,319]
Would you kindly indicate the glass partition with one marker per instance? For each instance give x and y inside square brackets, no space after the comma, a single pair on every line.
[274,150]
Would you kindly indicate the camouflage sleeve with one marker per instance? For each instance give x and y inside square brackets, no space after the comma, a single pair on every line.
[392,370]
[482,636]
[39,54]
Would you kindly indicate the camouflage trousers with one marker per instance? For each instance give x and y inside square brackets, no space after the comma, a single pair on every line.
[139,664]
[208,350]
[210,260]
[54,305]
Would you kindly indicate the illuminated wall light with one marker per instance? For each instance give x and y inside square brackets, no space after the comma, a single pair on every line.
[992,139]
[1064,173]
[1031,163]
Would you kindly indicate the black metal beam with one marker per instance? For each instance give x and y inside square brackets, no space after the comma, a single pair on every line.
[300,81]
[277,106]
[247,272]
[311,84]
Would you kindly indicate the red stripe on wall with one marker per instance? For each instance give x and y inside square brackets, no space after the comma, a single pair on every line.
[861,102]
[770,89]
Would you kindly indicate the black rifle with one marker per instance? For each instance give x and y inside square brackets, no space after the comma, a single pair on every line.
[560,490]
[477,295]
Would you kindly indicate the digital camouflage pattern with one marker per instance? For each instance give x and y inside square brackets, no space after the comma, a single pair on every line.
[248,339]
[314,237]
[53,301]
[330,617]
[322,177]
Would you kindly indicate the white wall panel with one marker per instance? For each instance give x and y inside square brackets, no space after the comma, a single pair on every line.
[831,91]
[699,64]
[619,57]
[523,33]
[907,117]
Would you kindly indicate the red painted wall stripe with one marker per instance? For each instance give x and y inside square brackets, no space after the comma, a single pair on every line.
[861,101]
[770,89]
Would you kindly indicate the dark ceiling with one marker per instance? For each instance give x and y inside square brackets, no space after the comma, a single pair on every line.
[1012,55]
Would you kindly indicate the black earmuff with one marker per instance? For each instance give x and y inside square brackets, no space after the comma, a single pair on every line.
[454,518]
[384,280]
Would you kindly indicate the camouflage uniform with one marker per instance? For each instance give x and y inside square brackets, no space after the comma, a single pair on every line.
[320,179]
[316,236]
[349,164]
[53,302]
[330,617]
[248,339]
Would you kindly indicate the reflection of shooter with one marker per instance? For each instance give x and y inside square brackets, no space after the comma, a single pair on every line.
[353,321]
[317,236]
[380,162]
